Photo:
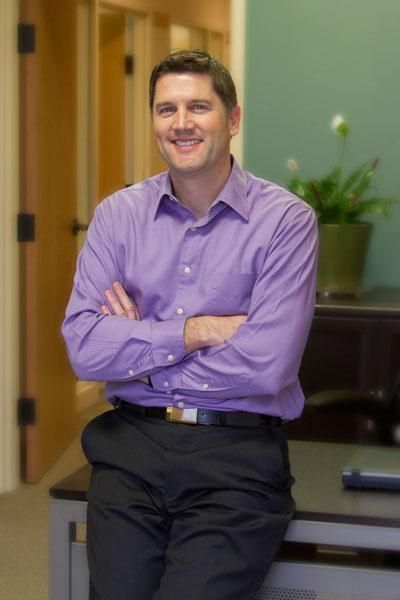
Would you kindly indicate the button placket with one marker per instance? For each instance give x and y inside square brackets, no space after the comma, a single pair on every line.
[185,269]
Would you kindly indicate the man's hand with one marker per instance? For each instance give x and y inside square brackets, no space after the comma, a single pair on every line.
[120,303]
[203,332]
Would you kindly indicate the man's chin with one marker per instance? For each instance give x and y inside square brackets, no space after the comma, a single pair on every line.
[185,167]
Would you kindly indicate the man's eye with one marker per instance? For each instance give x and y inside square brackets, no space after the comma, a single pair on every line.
[165,110]
[200,107]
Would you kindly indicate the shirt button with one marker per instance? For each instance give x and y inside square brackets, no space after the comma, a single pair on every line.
[181,404]
[131,372]
[205,386]
[165,384]
[179,311]
[187,270]
[193,228]
[170,357]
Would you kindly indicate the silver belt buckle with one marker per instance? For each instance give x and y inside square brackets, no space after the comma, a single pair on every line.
[181,415]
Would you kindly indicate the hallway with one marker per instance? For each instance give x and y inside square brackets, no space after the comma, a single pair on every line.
[24,528]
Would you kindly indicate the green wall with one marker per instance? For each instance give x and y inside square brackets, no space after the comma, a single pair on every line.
[307,60]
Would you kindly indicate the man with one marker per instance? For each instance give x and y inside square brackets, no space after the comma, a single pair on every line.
[193,299]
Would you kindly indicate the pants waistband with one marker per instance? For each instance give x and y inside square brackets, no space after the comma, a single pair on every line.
[201,416]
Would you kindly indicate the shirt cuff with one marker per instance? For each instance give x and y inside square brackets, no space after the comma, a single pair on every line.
[168,343]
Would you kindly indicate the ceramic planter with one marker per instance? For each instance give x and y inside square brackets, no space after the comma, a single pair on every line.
[342,253]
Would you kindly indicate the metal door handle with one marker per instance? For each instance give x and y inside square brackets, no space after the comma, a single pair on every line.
[77,227]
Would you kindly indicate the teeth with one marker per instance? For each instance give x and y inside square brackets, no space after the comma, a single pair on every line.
[186,142]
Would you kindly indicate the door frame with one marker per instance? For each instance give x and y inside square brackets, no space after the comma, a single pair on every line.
[237,49]
[9,251]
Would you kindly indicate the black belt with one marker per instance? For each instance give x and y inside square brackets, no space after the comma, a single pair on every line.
[201,416]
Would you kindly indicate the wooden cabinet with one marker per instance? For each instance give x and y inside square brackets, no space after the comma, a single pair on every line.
[389,350]
[354,344]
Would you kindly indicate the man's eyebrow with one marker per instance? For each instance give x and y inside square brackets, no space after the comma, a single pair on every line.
[162,104]
[200,101]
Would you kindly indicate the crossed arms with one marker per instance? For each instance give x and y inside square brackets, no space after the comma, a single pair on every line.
[199,332]
[220,357]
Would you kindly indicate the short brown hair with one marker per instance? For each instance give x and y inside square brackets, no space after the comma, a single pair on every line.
[196,61]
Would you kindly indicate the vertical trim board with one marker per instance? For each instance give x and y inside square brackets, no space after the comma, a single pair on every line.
[9,257]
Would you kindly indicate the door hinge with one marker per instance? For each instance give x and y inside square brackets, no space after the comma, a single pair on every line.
[26,227]
[26,411]
[26,38]
[129,64]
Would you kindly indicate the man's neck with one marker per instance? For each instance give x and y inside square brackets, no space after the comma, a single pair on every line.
[197,191]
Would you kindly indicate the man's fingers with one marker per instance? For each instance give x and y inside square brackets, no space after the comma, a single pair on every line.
[126,302]
[114,304]
[119,303]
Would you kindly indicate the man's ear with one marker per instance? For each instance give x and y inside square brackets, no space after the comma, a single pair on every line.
[234,120]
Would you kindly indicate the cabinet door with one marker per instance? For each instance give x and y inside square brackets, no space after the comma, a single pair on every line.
[389,352]
[340,354]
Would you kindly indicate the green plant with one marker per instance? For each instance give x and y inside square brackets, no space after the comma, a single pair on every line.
[337,199]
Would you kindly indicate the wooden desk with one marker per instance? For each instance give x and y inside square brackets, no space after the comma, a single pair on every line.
[326,514]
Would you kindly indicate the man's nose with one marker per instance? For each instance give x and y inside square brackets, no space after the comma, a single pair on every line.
[183,119]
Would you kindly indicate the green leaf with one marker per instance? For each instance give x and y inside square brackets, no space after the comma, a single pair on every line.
[353,177]
[378,206]
[336,202]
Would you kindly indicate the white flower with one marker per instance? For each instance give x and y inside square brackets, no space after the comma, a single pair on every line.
[292,165]
[336,122]
[339,125]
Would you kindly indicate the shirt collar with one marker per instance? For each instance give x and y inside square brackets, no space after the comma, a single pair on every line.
[234,192]
[163,190]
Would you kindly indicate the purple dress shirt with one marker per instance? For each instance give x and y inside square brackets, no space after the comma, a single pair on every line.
[254,252]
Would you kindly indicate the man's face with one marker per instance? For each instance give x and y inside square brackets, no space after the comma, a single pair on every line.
[191,125]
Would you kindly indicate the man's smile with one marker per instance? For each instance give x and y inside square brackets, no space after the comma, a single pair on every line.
[192,127]
[185,143]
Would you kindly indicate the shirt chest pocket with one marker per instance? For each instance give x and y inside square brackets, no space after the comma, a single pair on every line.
[231,292]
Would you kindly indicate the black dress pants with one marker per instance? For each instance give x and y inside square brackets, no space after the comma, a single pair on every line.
[183,512]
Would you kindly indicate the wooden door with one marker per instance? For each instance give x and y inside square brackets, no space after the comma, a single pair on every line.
[123,103]
[111,149]
[48,190]
[159,46]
